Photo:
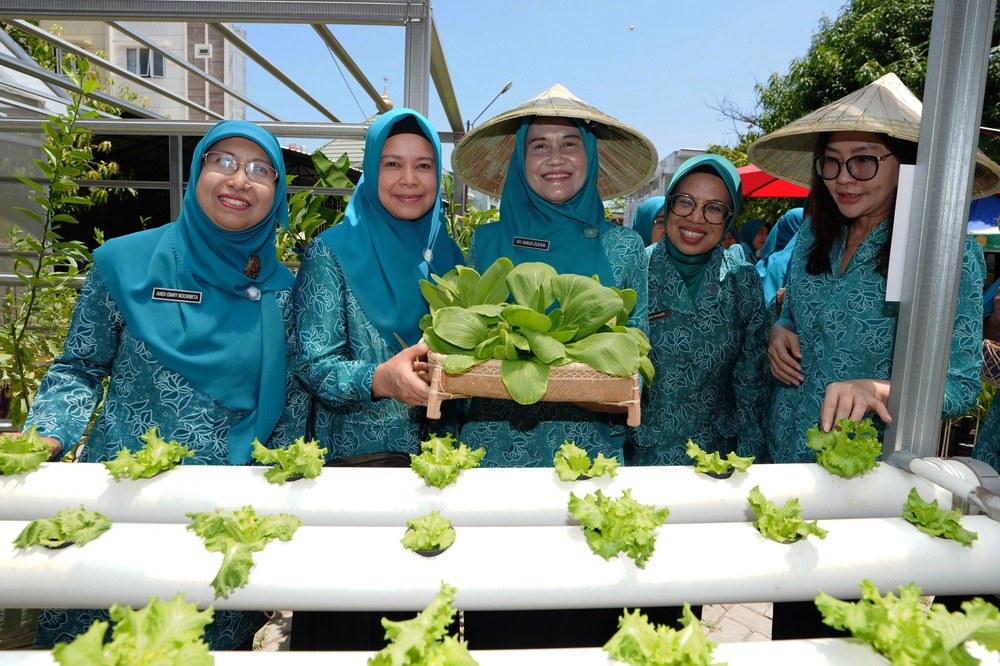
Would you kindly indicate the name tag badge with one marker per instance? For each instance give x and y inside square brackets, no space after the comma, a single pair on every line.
[533,243]
[660,314]
[176,295]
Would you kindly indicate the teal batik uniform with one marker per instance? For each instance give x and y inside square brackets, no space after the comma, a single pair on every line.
[357,290]
[987,446]
[211,374]
[709,350]
[577,239]
[707,332]
[847,331]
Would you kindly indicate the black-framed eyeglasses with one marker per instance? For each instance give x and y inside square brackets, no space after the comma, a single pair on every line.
[257,172]
[859,167]
[714,212]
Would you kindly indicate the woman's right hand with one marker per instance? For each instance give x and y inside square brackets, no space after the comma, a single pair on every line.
[51,441]
[404,377]
[784,355]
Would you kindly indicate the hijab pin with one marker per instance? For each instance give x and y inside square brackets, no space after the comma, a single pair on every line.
[428,255]
[253,267]
[253,293]
[590,232]
[714,289]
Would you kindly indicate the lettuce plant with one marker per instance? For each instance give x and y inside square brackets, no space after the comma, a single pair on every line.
[622,525]
[713,463]
[930,519]
[641,643]
[848,449]
[424,640]
[551,320]
[300,459]
[69,526]
[157,455]
[440,461]
[571,462]
[23,453]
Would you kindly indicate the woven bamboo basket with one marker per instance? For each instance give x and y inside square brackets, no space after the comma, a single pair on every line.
[573,382]
[991,362]
[17,628]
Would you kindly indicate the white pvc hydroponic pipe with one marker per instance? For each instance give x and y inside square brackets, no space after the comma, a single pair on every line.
[342,496]
[498,568]
[816,652]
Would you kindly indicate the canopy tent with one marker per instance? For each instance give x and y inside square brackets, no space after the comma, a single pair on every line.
[757,183]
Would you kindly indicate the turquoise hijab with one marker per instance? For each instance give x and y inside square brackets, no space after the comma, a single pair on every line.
[645,214]
[690,267]
[571,231]
[231,344]
[384,258]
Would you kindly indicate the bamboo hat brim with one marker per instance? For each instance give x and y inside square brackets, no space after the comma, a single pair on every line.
[626,158]
[885,106]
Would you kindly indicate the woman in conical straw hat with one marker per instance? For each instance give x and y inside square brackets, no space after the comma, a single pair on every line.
[553,160]
[831,349]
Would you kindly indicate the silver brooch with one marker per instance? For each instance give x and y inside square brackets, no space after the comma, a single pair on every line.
[253,293]
[428,255]
[590,232]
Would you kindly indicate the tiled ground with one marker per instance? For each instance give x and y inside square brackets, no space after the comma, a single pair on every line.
[726,623]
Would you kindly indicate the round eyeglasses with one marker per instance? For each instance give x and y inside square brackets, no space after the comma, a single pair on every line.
[859,167]
[714,212]
[257,172]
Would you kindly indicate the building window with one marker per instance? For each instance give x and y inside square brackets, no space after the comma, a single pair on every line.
[144,62]
[203,50]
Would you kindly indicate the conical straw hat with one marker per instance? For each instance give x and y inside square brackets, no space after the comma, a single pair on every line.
[626,158]
[885,106]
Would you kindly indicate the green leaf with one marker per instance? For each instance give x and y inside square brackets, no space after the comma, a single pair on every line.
[714,463]
[157,455]
[77,526]
[440,461]
[493,284]
[23,453]
[571,462]
[422,641]
[161,634]
[468,286]
[585,303]
[440,346]
[639,642]
[456,364]
[300,459]
[611,353]
[545,347]
[932,520]
[237,535]
[429,532]
[459,327]
[526,318]
[848,449]
[531,285]
[622,525]
[905,631]
[784,524]
[526,380]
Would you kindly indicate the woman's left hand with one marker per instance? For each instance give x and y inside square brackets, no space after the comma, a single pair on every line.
[853,399]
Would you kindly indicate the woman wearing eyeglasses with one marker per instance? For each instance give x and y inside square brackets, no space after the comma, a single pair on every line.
[190,324]
[831,349]
[707,327]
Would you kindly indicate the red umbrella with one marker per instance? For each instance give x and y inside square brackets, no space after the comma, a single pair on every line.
[757,183]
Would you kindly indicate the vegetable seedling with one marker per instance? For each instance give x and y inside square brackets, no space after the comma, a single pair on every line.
[429,535]
[641,643]
[904,631]
[622,525]
[937,522]
[572,463]
[299,460]
[848,449]
[424,639]
[23,453]
[440,461]
[238,535]
[784,524]
[714,464]
[157,455]
[161,634]
[67,527]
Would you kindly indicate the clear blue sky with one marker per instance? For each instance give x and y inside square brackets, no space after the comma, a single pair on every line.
[659,65]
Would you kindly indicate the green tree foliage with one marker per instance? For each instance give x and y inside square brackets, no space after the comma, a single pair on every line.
[868,39]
